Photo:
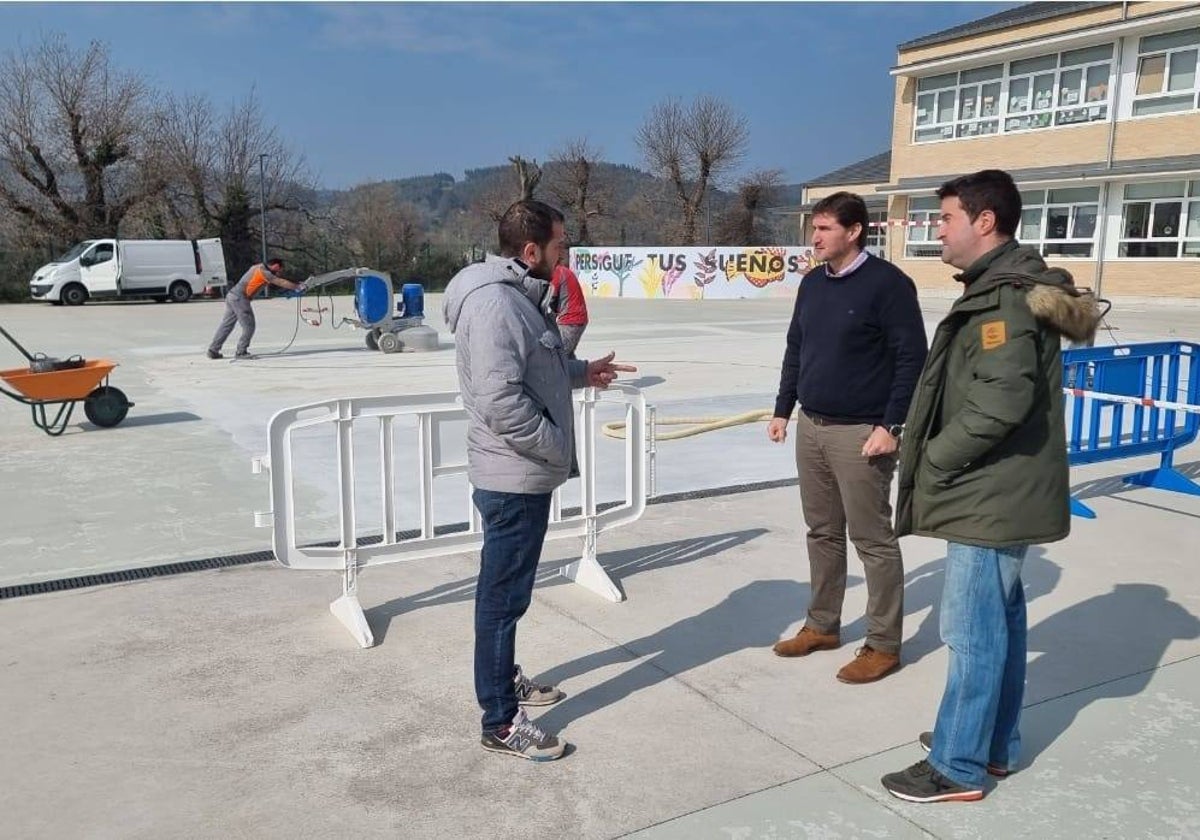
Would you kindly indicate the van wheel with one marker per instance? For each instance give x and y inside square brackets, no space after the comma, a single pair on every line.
[181,292]
[73,295]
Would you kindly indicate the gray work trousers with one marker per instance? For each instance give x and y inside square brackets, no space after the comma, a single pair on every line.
[840,492]
[237,311]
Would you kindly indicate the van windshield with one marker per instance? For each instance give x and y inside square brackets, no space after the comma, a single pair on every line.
[74,252]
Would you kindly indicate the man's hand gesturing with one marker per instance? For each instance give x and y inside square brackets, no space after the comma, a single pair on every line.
[602,372]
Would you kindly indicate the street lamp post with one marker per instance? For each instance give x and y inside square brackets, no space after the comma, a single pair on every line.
[262,204]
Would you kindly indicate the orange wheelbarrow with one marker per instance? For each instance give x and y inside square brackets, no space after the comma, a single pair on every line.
[52,384]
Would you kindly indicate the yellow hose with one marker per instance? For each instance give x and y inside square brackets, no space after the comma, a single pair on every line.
[696,425]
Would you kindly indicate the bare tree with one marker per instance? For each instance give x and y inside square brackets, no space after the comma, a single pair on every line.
[384,232]
[744,223]
[497,194]
[215,162]
[528,176]
[692,147]
[72,140]
[491,201]
[575,186]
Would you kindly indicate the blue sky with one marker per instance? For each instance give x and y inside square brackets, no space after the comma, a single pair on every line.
[376,91]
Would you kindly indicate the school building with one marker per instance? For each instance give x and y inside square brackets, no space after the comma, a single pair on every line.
[1094,108]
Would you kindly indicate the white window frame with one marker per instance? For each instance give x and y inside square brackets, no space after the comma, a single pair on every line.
[1083,104]
[1164,92]
[1189,213]
[1033,110]
[928,220]
[877,230]
[1043,242]
[956,128]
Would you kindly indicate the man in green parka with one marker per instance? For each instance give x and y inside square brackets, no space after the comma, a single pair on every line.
[984,466]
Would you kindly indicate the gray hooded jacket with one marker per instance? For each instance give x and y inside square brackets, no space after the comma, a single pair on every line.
[514,376]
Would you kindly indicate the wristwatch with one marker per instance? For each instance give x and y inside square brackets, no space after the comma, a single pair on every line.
[896,430]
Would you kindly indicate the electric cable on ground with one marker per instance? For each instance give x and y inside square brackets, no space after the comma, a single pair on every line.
[296,328]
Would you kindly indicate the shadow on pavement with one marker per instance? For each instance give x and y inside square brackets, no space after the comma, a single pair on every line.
[1105,647]
[619,565]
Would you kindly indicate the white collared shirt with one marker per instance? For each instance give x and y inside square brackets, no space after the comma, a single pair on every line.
[854,266]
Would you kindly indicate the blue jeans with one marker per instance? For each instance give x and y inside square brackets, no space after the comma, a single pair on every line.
[983,624]
[514,527]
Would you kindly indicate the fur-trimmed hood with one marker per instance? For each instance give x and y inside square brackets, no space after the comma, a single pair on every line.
[1052,295]
[1073,312]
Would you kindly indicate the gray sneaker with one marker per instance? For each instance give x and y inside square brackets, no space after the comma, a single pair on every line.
[524,740]
[530,693]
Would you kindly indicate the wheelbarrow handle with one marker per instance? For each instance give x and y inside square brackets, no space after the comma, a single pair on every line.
[16,344]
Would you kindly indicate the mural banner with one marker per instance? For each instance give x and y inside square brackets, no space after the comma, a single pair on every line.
[694,273]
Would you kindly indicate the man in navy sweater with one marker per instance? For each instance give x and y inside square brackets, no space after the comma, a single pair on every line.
[855,347]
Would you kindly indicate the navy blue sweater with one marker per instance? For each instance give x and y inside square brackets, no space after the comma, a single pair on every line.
[855,346]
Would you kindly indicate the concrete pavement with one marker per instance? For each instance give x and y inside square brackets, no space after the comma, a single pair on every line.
[230,703]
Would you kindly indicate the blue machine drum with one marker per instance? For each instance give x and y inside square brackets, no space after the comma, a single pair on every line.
[372,299]
[413,296]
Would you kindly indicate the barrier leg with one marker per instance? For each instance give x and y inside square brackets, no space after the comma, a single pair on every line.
[1081,510]
[348,610]
[588,573]
[1165,477]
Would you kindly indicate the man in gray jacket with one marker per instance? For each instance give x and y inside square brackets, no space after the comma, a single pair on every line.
[516,383]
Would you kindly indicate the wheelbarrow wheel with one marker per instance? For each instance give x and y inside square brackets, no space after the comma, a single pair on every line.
[106,406]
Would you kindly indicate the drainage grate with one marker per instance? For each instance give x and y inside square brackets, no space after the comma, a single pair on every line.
[126,575]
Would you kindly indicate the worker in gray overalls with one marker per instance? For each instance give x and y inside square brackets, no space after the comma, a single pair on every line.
[237,305]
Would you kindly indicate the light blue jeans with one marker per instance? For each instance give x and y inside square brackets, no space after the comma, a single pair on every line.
[983,624]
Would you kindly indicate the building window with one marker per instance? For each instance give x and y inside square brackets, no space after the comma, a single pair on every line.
[1051,90]
[1060,222]
[1166,75]
[1161,220]
[877,234]
[921,232]
[963,104]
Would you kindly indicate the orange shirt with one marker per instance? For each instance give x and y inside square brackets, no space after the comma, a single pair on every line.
[254,279]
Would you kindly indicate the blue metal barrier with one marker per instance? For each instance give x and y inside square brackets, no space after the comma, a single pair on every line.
[1106,430]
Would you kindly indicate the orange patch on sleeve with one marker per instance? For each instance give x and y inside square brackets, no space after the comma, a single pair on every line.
[994,335]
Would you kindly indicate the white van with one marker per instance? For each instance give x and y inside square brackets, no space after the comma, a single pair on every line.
[162,269]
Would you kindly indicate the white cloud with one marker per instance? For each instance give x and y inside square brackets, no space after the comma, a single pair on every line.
[408,28]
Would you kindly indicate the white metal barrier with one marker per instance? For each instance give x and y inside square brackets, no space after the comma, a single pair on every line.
[431,410]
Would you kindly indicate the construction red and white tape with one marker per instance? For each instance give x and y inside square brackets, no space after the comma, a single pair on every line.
[903,223]
[1145,402]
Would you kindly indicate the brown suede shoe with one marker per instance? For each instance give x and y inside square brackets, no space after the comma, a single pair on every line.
[805,642]
[868,665]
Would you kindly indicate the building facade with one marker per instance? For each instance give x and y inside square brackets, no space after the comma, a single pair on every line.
[863,177]
[1094,108]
